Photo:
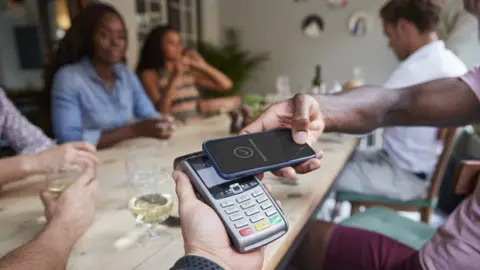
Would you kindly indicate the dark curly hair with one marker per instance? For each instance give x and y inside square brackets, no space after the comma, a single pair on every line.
[78,41]
[151,56]
[425,14]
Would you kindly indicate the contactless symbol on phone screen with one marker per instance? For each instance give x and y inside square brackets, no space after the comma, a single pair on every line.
[243,152]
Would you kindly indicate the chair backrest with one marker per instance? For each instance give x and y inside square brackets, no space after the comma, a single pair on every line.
[466,177]
[447,136]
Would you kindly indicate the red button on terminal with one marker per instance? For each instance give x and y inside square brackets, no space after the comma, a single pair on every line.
[245,232]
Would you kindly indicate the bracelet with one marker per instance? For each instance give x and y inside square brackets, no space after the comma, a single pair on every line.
[195,263]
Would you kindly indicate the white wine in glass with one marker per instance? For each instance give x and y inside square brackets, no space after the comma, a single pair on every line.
[151,208]
[59,180]
[150,200]
[57,188]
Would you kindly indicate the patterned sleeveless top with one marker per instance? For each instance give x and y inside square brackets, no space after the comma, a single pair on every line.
[186,96]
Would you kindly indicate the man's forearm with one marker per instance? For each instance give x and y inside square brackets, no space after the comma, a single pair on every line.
[49,250]
[357,111]
[445,102]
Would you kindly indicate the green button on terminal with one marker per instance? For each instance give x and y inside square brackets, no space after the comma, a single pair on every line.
[275,219]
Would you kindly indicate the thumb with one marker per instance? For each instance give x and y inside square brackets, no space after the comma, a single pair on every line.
[87,176]
[48,199]
[184,188]
[300,119]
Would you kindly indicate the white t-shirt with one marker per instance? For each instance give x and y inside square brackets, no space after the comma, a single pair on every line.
[416,149]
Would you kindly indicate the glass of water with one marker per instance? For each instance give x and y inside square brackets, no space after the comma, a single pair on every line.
[168,122]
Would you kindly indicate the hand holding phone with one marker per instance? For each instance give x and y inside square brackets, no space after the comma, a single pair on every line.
[303,115]
[254,153]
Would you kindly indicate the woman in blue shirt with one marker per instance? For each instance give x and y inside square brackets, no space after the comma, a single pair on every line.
[95,96]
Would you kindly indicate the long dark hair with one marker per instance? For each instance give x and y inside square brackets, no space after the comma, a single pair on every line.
[78,41]
[151,55]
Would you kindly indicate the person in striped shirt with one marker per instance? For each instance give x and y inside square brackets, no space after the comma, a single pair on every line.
[171,74]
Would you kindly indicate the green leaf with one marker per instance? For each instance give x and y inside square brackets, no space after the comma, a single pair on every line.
[236,63]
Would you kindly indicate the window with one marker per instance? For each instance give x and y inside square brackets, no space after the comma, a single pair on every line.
[181,14]
[150,13]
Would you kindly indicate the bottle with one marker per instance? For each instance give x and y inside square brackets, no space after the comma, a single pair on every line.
[283,87]
[318,85]
[337,87]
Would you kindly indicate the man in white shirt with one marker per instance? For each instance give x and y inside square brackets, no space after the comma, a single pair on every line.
[401,169]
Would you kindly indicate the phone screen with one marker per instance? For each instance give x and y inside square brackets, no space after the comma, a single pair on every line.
[218,186]
[202,165]
[259,150]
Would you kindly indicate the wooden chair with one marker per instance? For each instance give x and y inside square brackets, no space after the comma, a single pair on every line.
[424,206]
[466,177]
[406,231]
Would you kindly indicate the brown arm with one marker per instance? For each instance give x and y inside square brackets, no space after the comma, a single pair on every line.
[209,77]
[111,137]
[441,103]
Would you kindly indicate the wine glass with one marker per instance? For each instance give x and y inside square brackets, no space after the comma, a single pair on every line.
[57,181]
[165,125]
[150,197]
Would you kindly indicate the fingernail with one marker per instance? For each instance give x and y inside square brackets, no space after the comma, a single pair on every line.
[312,167]
[175,175]
[301,137]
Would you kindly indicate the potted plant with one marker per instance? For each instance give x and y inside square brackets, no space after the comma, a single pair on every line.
[235,62]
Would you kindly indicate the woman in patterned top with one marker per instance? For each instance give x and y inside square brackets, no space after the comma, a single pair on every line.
[170,74]
[38,154]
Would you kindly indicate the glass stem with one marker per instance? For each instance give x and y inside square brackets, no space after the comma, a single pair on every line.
[152,232]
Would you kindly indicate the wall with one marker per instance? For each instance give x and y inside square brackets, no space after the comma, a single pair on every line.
[210,22]
[127,9]
[464,38]
[274,26]
[12,76]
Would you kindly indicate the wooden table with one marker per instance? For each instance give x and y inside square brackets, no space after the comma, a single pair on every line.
[21,209]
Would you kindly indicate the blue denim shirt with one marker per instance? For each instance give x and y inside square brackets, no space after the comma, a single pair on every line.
[82,106]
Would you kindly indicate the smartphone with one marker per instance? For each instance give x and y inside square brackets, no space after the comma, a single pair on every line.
[249,154]
[251,217]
